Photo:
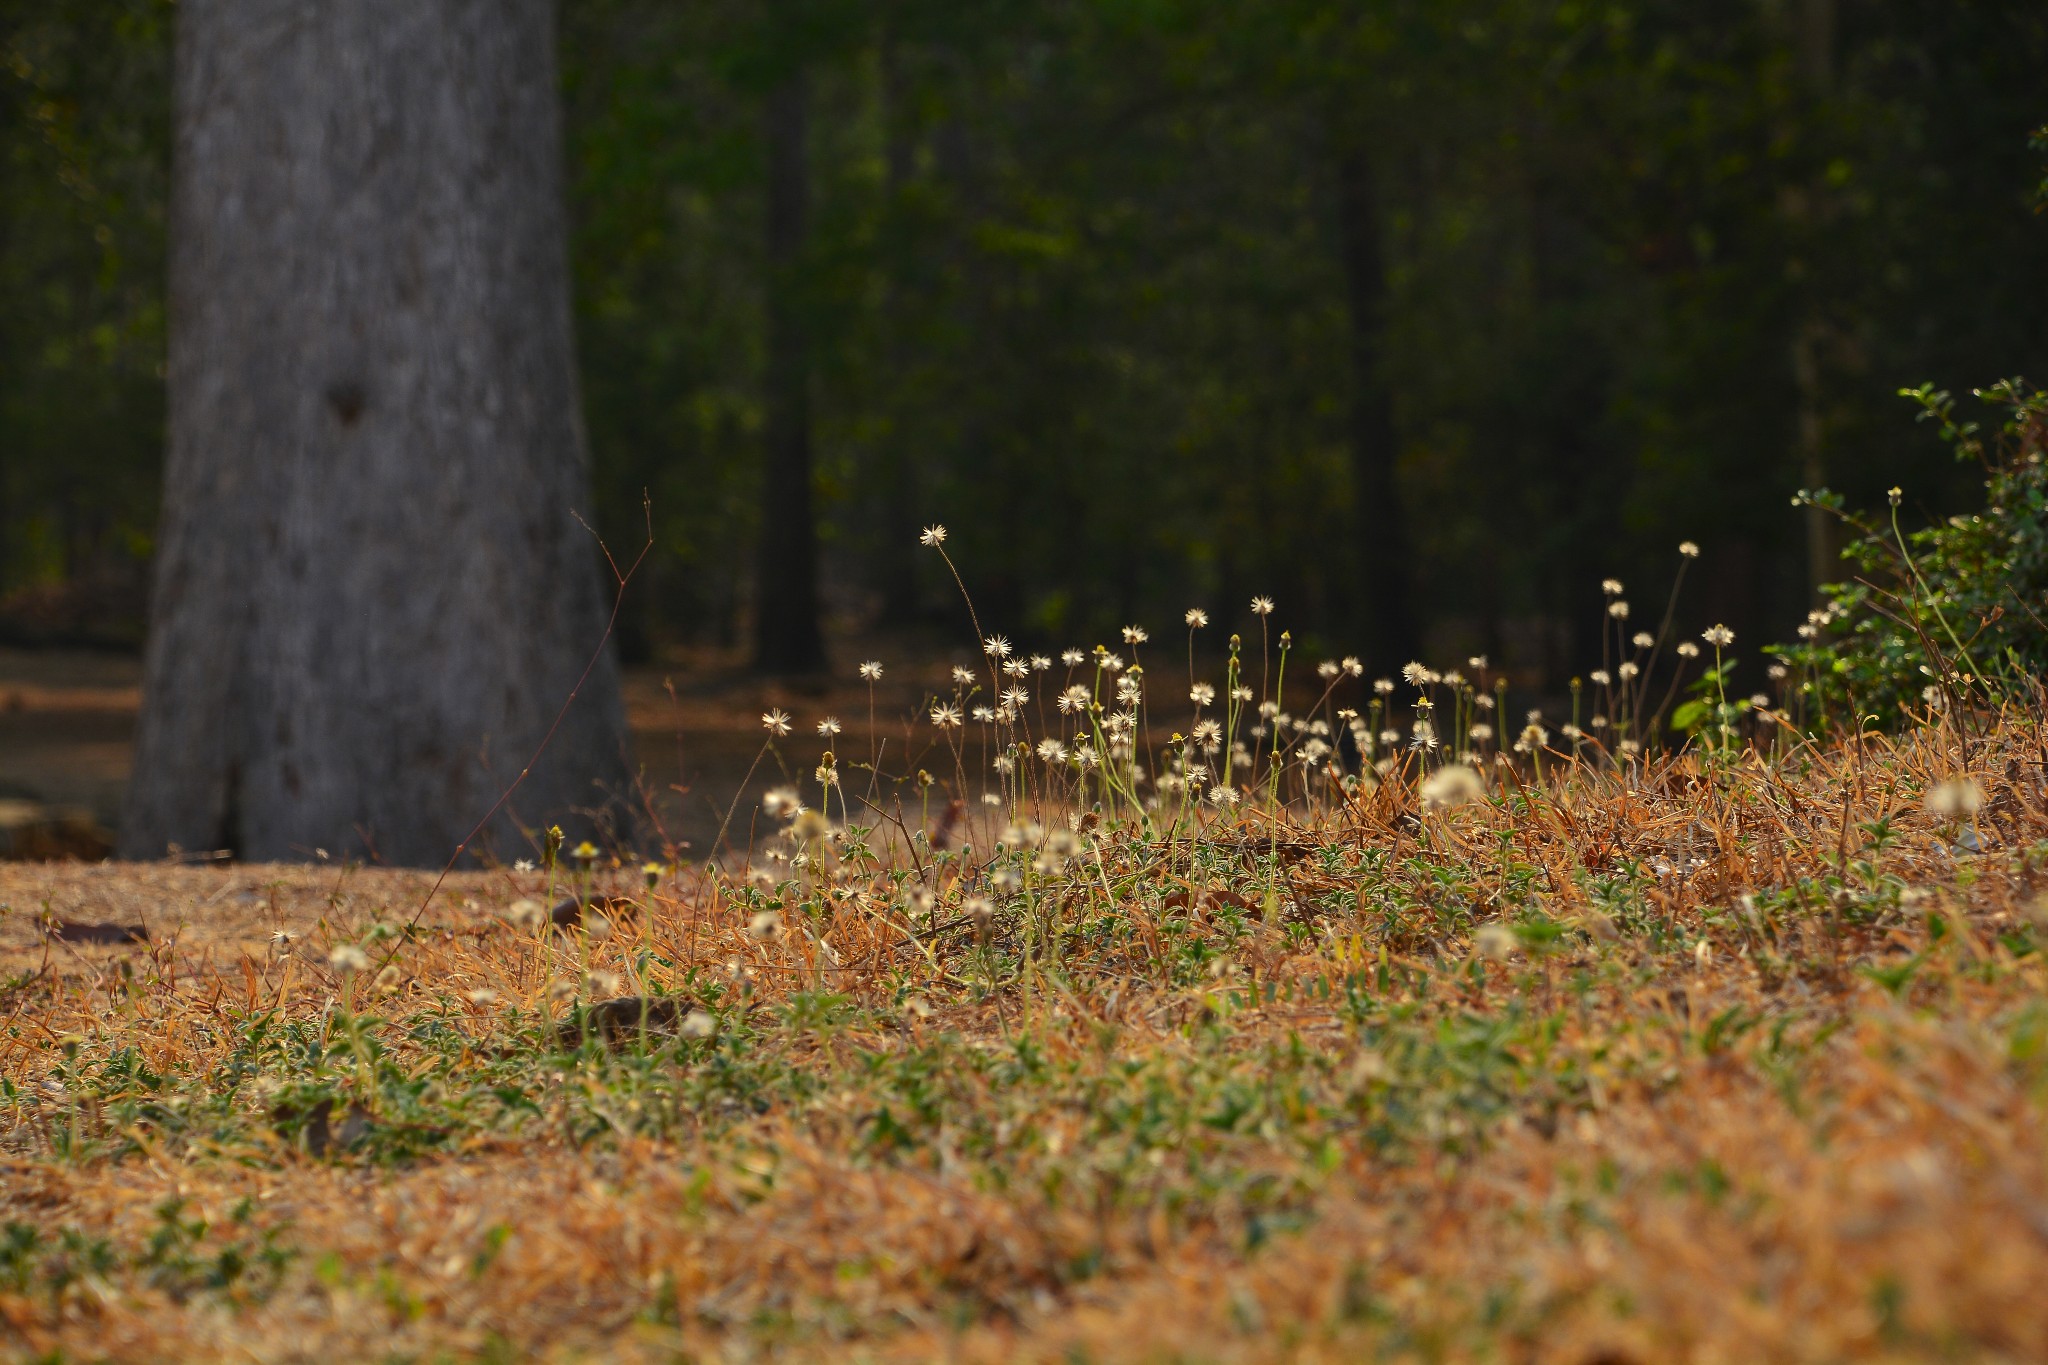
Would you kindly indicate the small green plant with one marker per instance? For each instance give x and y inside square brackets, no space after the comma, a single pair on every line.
[1949,615]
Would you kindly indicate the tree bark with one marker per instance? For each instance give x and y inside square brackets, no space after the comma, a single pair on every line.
[371,592]
[1384,593]
[786,635]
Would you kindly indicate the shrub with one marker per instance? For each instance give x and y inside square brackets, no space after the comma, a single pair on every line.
[1950,614]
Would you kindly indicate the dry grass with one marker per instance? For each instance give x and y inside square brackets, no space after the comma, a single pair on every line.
[1735,1061]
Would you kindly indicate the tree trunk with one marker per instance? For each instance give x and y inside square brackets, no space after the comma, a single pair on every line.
[897,556]
[786,637]
[1384,595]
[371,591]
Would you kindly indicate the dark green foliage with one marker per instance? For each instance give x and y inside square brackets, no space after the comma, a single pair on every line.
[1951,613]
[1076,285]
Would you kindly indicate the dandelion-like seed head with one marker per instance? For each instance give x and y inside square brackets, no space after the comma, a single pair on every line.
[963,677]
[1688,549]
[1718,636]
[1955,798]
[781,803]
[775,721]
[1202,694]
[347,958]
[1262,606]
[946,716]
[764,925]
[1644,640]
[1196,618]
[1455,785]
[829,726]
[1611,586]
[933,537]
[1618,609]
[1686,649]
[1495,943]
[1073,658]
[1135,635]
[996,647]
[871,670]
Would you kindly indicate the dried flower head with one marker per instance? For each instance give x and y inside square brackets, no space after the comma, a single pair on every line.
[775,721]
[1718,636]
[764,924]
[1957,797]
[1196,618]
[934,536]
[1262,606]
[1688,549]
[829,726]
[871,670]
[346,958]
[1495,942]
[1455,785]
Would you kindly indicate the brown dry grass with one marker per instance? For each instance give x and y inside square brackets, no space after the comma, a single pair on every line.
[1756,1080]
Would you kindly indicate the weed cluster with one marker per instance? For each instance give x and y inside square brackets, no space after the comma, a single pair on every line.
[1299,1029]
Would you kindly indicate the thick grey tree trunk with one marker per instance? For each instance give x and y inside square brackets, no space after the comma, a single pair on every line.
[371,591]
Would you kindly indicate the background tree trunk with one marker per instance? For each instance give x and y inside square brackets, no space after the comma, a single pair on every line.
[786,637]
[371,590]
[1384,594]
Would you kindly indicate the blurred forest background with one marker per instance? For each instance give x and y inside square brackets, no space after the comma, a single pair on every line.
[1419,315]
